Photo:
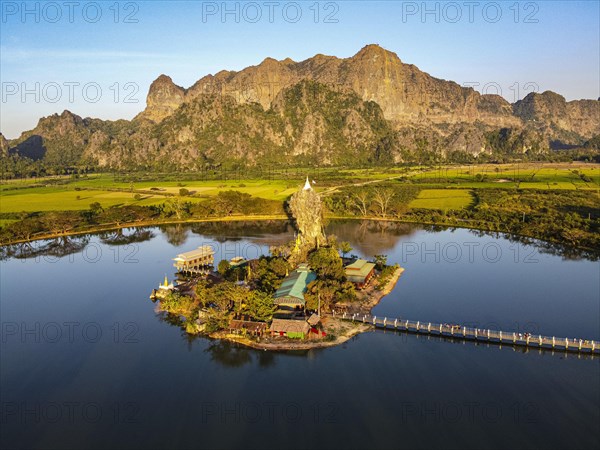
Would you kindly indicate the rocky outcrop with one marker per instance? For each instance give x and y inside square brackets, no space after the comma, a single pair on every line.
[3,146]
[371,108]
[307,211]
[554,116]
[164,97]
[405,94]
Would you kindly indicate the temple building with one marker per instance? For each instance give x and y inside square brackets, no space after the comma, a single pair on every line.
[291,292]
[360,272]
[195,261]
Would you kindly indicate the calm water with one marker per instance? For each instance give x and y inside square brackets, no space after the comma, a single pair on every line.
[86,362]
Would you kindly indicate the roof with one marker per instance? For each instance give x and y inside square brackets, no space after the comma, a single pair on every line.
[290,326]
[237,261]
[247,325]
[359,270]
[313,320]
[293,287]
[200,252]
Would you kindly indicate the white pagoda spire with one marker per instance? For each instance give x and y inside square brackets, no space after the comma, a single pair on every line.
[307,185]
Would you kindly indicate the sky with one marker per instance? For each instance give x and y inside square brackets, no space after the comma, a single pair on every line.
[97,59]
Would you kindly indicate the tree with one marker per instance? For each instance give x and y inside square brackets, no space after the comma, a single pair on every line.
[96,208]
[202,292]
[380,261]
[382,198]
[181,305]
[345,248]
[223,267]
[361,200]
[328,291]
[184,191]
[175,206]
[282,251]
[326,263]
[260,306]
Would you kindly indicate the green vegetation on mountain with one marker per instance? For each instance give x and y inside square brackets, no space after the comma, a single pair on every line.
[368,110]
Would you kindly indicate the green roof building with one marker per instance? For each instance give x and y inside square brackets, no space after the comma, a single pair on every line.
[291,292]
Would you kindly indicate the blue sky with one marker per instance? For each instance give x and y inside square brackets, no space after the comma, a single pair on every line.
[106,57]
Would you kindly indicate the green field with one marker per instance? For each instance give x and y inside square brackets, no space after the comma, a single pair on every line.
[65,193]
[443,199]
[525,176]
[78,195]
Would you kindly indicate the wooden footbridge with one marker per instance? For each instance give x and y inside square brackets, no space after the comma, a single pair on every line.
[476,334]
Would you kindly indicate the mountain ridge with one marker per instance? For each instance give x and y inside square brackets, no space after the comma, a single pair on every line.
[369,108]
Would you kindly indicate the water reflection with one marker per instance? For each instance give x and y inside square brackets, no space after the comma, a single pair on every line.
[228,354]
[56,248]
[242,229]
[369,237]
[506,346]
[176,235]
[126,236]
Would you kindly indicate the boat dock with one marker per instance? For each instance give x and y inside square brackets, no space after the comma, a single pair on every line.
[476,334]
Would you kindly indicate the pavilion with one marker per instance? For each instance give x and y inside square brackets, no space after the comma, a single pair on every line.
[360,272]
[195,261]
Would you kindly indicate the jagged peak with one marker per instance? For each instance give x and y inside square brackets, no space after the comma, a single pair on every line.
[373,50]
[164,80]
[268,61]
[544,95]
[65,115]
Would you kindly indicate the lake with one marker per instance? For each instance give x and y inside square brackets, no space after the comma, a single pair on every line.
[87,362]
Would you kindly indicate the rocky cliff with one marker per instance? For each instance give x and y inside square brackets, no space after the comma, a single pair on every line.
[4,146]
[164,97]
[368,109]
[405,94]
[552,114]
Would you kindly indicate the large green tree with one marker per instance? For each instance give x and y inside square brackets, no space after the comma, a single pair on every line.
[260,306]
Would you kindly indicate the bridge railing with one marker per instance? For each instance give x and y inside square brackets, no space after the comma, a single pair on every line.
[459,331]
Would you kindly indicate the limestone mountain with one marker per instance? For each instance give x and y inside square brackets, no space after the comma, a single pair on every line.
[371,108]
[164,97]
[307,123]
[405,94]
[551,113]
[3,145]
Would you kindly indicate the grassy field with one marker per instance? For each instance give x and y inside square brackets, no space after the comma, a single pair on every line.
[60,199]
[526,176]
[442,199]
[79,194]
[64,193]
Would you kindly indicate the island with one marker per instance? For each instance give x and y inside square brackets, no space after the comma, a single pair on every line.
[283,301]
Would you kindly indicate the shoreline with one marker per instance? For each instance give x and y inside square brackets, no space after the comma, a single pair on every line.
[153,223]
[292,345]
[282,217]
[349,329]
